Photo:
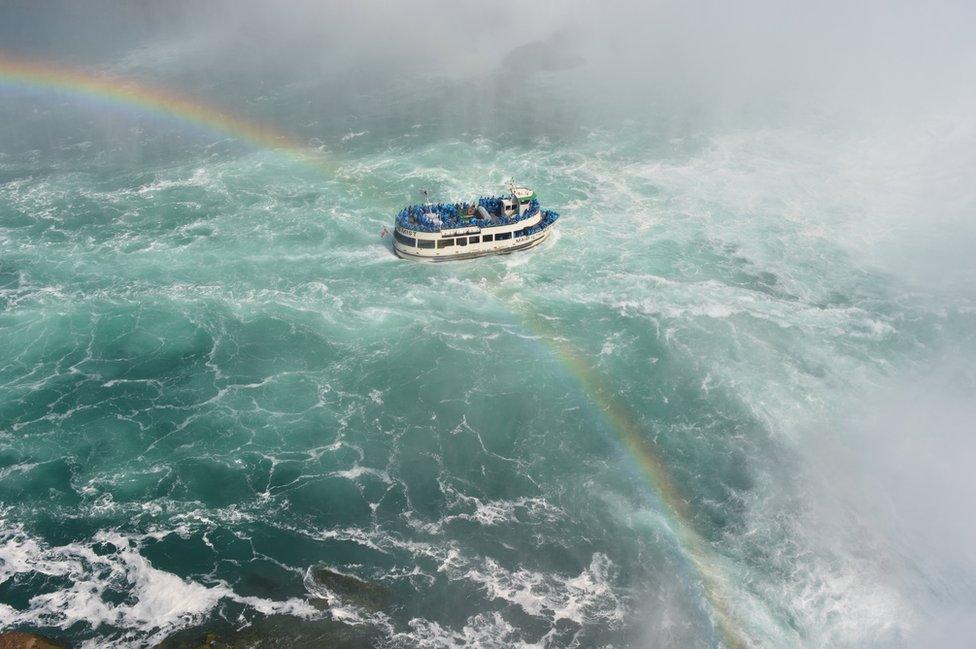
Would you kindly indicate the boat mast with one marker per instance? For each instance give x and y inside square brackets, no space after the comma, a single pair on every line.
[515,199]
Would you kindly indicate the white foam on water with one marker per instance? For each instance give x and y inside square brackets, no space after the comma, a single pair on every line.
[482,630]
[358,471]
[199,178]
[355,535]
[585,599]
[534,510]
[842,605]
[156,603]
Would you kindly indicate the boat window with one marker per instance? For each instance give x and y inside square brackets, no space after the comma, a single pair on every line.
[503,236]
[474,239]
[446,243]
[404,239]
[488,237]
[462,241]
[425,243]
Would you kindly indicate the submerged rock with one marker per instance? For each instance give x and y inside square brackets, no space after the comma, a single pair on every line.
[351,589]
[24,640]
[272,633]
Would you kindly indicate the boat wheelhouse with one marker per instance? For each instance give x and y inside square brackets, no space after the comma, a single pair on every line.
[492,225]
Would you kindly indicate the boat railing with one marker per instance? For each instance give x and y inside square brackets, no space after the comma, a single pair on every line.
[548,218]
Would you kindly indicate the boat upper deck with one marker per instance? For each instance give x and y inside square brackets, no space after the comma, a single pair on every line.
[488,212]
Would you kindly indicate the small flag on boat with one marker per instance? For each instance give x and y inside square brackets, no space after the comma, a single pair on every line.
[384,232]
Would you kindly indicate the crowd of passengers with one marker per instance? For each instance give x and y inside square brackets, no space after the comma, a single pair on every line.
[458,215]
[548,218]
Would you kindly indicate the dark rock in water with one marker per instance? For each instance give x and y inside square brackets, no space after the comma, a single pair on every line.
[206,641]
[211,641]
[553,54]
[23,640]
[352,589]
[272,633]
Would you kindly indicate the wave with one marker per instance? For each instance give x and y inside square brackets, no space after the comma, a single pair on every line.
[114,592]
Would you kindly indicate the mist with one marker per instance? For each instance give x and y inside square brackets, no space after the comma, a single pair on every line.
[690,64]
[891,483]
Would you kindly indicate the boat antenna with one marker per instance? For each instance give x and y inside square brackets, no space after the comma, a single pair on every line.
[426,196]
[511,187]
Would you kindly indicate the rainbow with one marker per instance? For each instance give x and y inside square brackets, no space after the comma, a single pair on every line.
[129,93]
[126,92]
[650,466]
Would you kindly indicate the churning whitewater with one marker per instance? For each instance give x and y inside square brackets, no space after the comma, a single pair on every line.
[726,403]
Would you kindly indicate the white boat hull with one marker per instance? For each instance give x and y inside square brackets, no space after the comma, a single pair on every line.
[472,250]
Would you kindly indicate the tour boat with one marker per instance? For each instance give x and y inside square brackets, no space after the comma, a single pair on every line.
[490,226]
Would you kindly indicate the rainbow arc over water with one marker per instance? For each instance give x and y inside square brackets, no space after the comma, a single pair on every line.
[121,91]
[648,462]
[652,467]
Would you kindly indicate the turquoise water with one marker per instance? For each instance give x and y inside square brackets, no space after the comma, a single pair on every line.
[216,379]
